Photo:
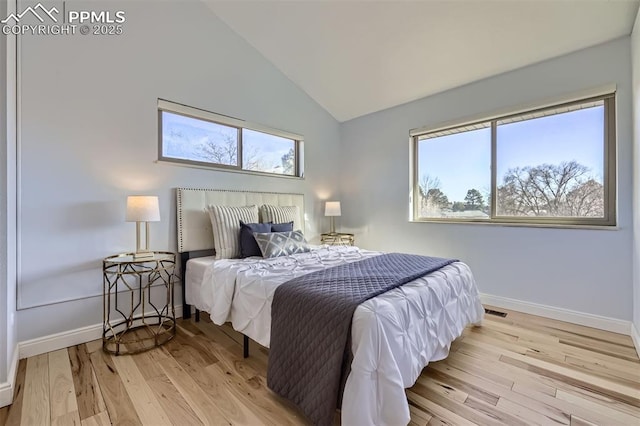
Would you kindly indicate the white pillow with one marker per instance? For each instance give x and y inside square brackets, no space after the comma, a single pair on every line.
[225,221]
[280,214]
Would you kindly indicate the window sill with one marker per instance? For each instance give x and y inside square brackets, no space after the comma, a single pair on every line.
[518,224]
[225,169]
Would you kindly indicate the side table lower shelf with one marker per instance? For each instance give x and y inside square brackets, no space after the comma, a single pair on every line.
[133,321]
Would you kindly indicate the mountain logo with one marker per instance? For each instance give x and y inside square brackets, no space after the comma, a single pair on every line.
[34,11]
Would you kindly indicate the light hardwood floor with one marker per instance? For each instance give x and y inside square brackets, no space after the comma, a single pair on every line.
[518,370]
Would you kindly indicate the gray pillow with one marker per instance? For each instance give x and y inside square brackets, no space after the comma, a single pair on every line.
[274,244]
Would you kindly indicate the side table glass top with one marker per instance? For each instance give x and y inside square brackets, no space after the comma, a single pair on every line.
[158,256]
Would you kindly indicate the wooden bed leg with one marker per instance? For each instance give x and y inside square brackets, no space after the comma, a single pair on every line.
[245,349]
[197,315]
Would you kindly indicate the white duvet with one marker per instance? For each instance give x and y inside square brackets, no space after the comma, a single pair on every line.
[394,335]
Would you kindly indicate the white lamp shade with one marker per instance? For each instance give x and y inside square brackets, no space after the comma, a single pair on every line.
[142,208]
[332,208]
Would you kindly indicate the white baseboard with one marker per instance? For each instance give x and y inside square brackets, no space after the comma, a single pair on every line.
[86,334]
[7,388]
[635,335]
[596,321]
[56,341]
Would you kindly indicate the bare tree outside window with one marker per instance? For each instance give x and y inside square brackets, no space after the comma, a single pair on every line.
[221,150]
[559,190]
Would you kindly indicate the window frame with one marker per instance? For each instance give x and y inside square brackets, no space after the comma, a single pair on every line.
[609,173]
[239,125]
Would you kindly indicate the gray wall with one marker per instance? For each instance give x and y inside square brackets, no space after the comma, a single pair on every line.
[635,54]
[3,203]
[583,270]
[8,324]
[89,139]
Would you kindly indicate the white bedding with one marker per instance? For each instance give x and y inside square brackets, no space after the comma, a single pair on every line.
[394,335]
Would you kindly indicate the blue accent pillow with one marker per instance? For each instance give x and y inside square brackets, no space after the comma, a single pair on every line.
[248,245]
[282,227]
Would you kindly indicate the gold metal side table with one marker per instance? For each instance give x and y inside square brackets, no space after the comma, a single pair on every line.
[132,321]
[337,239]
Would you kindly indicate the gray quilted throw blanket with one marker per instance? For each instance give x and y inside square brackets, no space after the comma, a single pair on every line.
[311,324]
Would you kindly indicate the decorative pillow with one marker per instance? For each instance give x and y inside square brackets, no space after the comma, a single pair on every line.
[279,214]
[282,227]
[225,221]
[276,244]
[248,244]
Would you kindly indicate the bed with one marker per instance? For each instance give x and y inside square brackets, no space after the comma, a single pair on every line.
[393,336]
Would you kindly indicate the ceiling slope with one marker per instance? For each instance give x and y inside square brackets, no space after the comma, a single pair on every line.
[358,57]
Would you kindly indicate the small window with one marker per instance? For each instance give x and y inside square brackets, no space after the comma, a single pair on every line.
[201,138]
[554,165]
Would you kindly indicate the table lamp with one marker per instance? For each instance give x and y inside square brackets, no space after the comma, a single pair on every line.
[142,208]
[332,209]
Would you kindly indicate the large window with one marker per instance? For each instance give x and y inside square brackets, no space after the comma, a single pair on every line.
[554,165]
[193,136]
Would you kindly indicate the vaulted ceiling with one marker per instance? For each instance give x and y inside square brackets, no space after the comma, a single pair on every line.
[358,57]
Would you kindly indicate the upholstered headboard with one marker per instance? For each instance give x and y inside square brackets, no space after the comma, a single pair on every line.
[194,226]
